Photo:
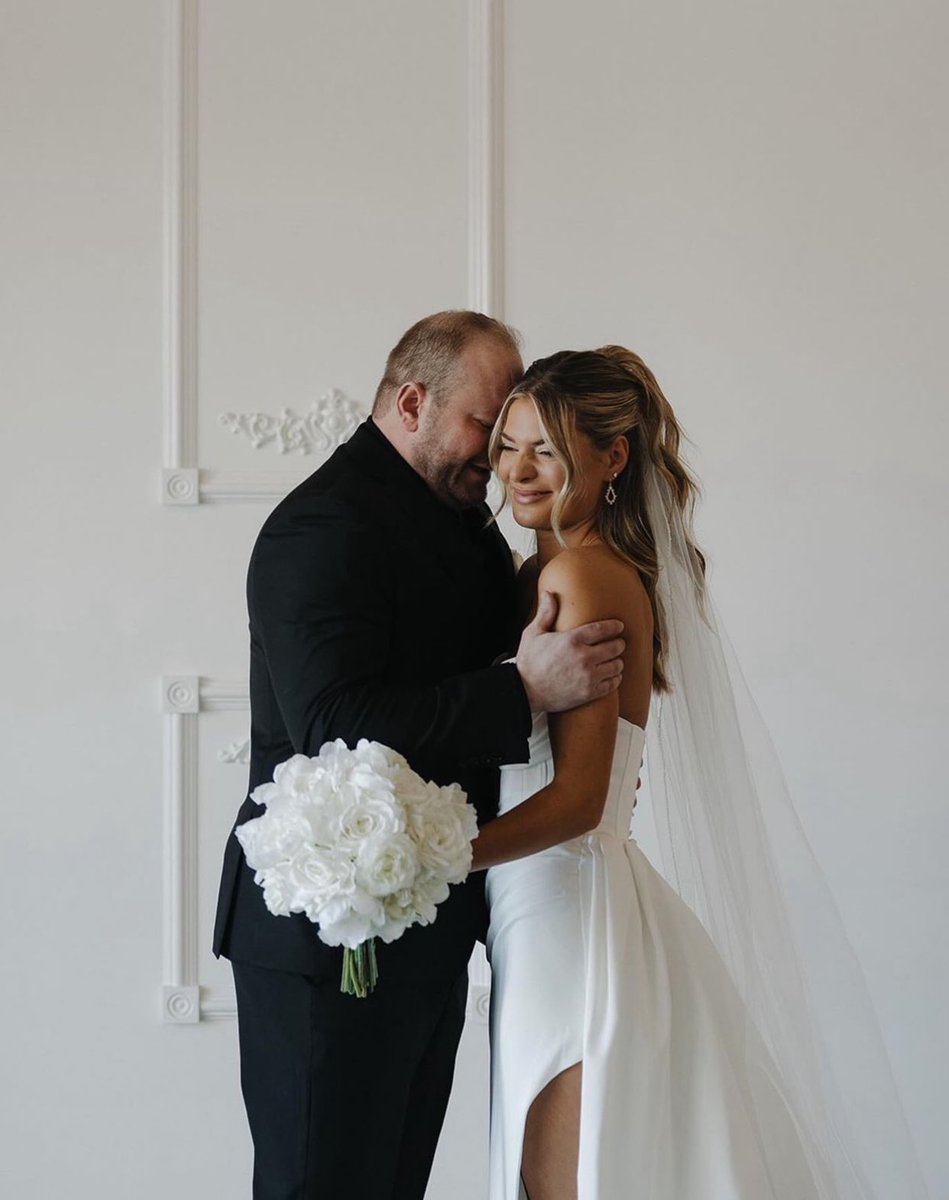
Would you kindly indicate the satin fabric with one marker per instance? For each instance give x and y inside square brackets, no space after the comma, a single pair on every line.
[595,958]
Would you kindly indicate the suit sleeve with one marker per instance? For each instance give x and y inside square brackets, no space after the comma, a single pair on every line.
[321,596]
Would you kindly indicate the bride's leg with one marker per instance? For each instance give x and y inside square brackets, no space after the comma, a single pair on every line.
[552,1139]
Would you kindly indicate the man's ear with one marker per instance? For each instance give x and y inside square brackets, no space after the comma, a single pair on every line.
[409,402]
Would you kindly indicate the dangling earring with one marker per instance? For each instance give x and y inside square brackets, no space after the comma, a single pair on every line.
[611,491]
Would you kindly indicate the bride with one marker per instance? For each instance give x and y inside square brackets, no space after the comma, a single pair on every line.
[650,1039]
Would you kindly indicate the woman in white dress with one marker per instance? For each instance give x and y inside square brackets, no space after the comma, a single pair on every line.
[643,1046]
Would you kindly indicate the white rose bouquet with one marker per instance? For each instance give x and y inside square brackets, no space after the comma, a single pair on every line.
[361,844]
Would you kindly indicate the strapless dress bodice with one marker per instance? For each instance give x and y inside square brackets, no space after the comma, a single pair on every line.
[520,780]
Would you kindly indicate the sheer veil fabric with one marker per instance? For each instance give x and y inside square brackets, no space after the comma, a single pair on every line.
[733,848]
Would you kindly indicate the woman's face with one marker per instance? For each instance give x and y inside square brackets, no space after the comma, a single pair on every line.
[534,476]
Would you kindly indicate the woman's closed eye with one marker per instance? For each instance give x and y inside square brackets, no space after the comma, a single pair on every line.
[540,451]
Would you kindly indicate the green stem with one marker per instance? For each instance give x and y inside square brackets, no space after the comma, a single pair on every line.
[360,970]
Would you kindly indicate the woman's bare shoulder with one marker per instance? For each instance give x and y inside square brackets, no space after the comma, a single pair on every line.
[592,583]
[596,568]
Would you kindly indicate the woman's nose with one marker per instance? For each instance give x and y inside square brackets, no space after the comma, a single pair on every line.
[523,468]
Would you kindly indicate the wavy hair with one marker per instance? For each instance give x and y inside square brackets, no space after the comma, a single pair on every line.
[603,394]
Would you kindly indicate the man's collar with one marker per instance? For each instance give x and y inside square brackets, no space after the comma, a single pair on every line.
[378,456]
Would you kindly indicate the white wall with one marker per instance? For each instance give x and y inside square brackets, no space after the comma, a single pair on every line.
[751,195]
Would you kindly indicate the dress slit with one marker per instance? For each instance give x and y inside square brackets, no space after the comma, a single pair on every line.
[596,959]
[518,1184]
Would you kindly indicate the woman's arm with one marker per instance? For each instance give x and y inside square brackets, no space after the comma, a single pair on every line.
[582,738]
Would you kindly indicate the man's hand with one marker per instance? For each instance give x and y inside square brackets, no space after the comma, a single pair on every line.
[565,670]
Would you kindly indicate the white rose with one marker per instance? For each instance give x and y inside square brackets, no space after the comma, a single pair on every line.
[412,789]
[266,793]
[368,785]
[293,776]
[316,786]
[361,817]
[271,839]
[400,904]
[322,878]
[392,929]
[386,864]
[425,910]
[321,813]
[358,842]
[378,758]
[422,809]
[363,919]
[430,890]
[401,909]
[278,891]
[444,846]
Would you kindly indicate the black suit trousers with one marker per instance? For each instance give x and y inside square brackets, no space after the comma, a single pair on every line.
[345,1097]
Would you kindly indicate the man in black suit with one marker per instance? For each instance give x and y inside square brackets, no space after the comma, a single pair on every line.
[379,597]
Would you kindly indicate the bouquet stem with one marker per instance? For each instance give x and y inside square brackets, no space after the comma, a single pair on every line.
[360,972]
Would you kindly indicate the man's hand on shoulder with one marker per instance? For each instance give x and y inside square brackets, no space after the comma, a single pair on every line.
[563,669]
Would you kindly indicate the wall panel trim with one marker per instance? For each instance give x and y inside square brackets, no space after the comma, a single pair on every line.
[180,315]
[183,481]
[486,156]
[183,1000]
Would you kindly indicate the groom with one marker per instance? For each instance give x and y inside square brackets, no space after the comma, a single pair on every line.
[378,598]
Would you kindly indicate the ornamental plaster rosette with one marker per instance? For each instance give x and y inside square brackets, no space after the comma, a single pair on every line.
[329,421]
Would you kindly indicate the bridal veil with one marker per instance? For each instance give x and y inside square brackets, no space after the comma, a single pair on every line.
[732,846]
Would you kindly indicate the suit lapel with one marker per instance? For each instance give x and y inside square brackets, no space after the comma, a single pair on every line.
[466,547]
[443,530]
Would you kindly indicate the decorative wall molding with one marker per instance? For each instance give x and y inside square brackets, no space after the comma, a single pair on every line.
[235,752]
[479,982]
[180,1005]
[330,420]
[223,696]
[238,486]
[179,485]
[180,694]
[486,156]
[183,698]
[180,700]
[183,481]
[478,1007]
[180,309]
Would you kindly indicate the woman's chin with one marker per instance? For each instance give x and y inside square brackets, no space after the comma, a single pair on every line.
[530,520]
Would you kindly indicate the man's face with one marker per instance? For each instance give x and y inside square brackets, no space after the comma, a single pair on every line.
[451,446]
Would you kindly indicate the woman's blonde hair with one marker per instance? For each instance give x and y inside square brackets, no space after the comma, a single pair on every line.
[603,394]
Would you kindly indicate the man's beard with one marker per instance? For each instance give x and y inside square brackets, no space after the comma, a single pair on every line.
[452,482]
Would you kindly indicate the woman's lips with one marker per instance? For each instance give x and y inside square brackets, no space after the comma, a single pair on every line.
[528,497]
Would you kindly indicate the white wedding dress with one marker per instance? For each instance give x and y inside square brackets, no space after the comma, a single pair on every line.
[595,958]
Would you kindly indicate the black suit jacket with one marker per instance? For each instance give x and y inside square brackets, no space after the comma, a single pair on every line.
[376,611]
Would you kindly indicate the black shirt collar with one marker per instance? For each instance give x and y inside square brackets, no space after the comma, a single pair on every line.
[377,455]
